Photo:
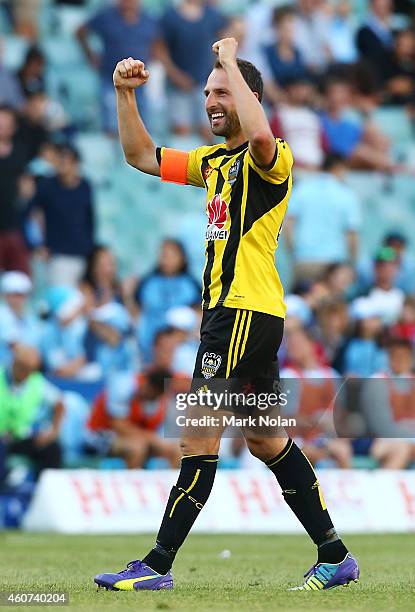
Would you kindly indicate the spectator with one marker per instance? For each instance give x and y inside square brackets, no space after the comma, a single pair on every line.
[185,323]
[313,388]
[100,283]
[341,37]
[32,73]
[125,31]
[362,145]
[388,403]
[374,39]
[405,327]
[165,344]
[364,354]
[399,70]
[31,424]
[46,163]
[315,244]
[32,125]
[63,340]
[283,61]
[339,281]
[312,34]
[238,28]
[66,201]
[25,17]
[17,321]
[259,31]
[13,159]
[405,277]
[191,25]
[108,341]
[169,285]
[10,91]
[386,296]
[125,420]
[333,326]
[299,124]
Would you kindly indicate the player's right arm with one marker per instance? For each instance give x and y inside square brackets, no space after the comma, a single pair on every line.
[139,149]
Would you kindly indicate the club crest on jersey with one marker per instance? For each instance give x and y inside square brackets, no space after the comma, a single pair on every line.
[210,364]
[217,211]
[233,171]
[207,171]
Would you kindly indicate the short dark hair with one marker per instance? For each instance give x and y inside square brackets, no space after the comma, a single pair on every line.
[396,342]
[332,160]
[6,108]
[251,75]
[69,149]
[282,12]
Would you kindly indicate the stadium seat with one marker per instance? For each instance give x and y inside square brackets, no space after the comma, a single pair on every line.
[14,51]
[364,463]
[78,91]
[5,25]
[394,123]
[98,153]
[70,18]
[62,51]
[157,463]
[111,463]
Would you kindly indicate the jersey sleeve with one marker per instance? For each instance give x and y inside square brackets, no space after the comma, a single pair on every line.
[181,167]
[280,167]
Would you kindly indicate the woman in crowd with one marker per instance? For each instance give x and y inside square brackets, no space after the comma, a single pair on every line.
[169,285]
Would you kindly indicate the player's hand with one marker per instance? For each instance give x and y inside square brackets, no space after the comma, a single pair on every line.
[225,49]
[130,74]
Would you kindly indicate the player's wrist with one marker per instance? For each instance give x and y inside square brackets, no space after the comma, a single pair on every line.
[229,63]
[124,90]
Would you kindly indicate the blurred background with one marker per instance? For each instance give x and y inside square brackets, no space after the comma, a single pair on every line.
[101,266]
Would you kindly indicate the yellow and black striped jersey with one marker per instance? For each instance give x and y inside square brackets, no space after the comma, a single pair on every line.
[245,206]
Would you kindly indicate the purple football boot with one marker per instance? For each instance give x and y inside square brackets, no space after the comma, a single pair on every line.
[136,577]
[330,575]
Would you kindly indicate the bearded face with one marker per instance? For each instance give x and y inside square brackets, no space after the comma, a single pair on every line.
[220,106]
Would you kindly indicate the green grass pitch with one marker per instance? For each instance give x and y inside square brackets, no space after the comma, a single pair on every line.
[254,578]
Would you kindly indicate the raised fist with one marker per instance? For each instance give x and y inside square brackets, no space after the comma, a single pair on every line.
[225,49]
[130,74]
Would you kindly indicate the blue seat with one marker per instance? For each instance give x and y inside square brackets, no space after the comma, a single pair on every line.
[78,90]
[62,51]
[5,25]
[394,123]
[98,155]
[14,51]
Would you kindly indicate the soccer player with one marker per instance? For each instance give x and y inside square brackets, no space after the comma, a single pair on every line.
[248,183]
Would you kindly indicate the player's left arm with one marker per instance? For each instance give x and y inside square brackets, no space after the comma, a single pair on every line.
[254,122]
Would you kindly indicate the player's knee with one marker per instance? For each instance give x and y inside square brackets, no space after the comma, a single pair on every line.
[190,446]
[265,448]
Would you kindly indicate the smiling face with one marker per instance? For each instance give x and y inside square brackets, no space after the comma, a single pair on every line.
[220,106]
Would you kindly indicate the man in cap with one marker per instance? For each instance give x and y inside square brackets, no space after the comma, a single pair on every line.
[18,323]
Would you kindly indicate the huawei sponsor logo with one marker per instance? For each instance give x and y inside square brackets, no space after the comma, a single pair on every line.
[217,210]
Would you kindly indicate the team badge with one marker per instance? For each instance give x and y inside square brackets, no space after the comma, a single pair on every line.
[210,364]
[233,171]
[207,171]
[217,211]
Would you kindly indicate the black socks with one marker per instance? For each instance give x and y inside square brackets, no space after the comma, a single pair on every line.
[301,490]
[186,500]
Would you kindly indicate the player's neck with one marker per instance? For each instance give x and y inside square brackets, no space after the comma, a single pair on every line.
[233,142]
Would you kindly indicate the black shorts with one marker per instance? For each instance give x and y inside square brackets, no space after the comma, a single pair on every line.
[238,345]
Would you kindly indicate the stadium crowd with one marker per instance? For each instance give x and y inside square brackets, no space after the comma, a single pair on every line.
[85,353]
